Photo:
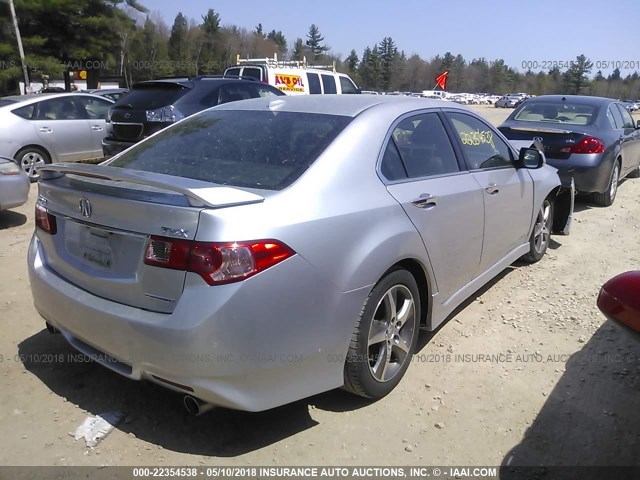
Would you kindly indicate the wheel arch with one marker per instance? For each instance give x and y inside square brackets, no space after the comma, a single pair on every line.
[52,157]
[423,280]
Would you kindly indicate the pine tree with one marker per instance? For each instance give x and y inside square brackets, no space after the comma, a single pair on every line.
[314,41]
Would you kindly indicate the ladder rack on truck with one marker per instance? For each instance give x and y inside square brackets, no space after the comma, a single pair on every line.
[275,63]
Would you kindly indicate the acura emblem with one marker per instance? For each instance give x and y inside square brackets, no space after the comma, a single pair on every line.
[538,139]
[85,207]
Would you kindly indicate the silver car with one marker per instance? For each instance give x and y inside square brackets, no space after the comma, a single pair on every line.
[14,184]
[267,250]
[46,128]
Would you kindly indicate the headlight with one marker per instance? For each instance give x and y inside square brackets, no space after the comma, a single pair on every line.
[165,114]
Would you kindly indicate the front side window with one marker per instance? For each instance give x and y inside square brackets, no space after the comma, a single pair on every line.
[329,84]
[96,108]
[347,85]
[247,148]
[482,146]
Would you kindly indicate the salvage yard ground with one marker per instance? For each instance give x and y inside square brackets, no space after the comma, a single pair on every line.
[528,372]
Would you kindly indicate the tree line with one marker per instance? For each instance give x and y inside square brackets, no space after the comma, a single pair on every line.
[120,38]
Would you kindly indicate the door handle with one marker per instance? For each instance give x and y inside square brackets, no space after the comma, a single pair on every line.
[97,128]
[492,189]
[45,130]
[425,201]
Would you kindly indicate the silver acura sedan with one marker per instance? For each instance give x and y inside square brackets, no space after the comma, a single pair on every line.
[267,250]
[44,128]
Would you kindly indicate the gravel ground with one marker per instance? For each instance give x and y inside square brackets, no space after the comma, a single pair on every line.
[526,372]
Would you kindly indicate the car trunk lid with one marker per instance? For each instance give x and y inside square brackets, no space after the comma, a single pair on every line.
[104,219]
[557,142]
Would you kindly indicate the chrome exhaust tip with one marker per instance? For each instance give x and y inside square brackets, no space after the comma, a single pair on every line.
[195,406]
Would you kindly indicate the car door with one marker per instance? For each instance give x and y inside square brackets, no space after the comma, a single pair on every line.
[443,201]
[507,192]
[95,110]
[630,138]
[63,129]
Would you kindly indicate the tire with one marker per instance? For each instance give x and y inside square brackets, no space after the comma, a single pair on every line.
[541,234]
[607,198]
[30,157]
[384,342]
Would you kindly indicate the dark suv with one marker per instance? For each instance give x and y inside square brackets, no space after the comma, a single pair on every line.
[155,104]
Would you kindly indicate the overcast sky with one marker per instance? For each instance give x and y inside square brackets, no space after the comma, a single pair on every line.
[517,31]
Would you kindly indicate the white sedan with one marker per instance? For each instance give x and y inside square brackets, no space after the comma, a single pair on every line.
[45,128]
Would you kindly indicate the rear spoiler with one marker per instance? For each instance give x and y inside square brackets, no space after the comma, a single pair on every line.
[199,193]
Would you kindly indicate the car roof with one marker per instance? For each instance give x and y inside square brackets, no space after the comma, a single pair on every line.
[189,81]
[581,99]
[344,105]
[37,97]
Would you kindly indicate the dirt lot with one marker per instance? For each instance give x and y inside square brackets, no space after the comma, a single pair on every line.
[562,387]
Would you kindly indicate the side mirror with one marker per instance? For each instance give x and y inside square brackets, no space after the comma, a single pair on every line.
[638,124]
[531,158]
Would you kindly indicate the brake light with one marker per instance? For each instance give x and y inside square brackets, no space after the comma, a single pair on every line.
[216,263]
[589,145]
[45,221]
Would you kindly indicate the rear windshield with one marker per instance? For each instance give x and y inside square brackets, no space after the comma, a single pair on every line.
[563,113]
[152,96]
[253,149]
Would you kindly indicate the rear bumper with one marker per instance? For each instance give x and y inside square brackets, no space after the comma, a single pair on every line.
[251,346]
[111,147]
[14,191]
[591,172]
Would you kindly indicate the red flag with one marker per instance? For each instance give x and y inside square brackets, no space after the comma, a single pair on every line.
[441,80]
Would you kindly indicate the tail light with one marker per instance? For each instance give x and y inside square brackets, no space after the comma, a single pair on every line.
[9,168]
[45,221]
[216,263]
[588,145]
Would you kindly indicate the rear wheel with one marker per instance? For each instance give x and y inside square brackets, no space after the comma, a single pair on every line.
[541,234]
[385,336]
[31,157]
[607,198]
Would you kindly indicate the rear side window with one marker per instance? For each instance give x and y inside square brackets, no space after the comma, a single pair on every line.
[314,84]
[617,117]
[253,149]
[425,147]
[235,71]
[152,96]
[347,86]
[627,119]
[329,84]
[25,112]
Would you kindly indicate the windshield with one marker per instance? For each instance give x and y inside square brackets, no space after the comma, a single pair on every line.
[566,114]
[253,149]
